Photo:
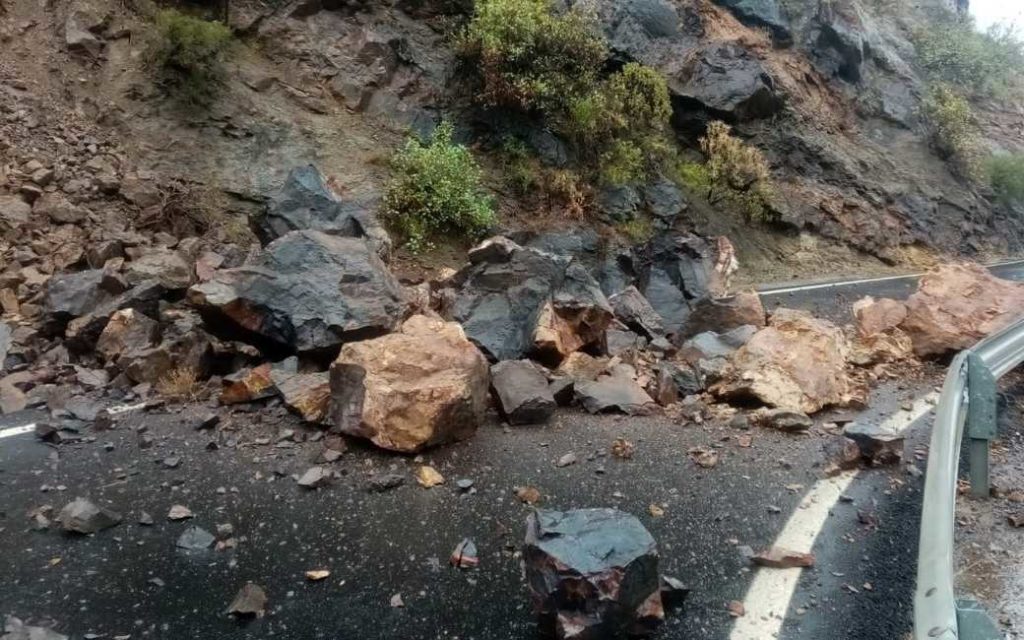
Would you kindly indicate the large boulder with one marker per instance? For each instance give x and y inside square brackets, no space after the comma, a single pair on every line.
[728,81]
[306,202]
[633,310]
[522,392]
[306,292]
[957,305]
[878,316]
[615,393]
[797,362]
[516,301]
[592,573]
[424,385]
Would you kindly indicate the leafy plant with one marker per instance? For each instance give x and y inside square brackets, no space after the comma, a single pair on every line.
[1007,175]
[535,59]
[189,53]
[530,57]
[954,130]
[734,174]
[954,51]
[436,188]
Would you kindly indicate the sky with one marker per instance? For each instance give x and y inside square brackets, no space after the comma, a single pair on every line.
[989,12]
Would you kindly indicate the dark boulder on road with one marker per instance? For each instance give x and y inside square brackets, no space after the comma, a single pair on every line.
[616,393]
[522,392]
[592,573]
[307,292]
[516,301]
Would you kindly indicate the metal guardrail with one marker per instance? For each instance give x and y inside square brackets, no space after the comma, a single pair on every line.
[968,401]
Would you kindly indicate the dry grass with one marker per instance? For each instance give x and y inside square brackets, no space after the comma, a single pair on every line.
[180,383]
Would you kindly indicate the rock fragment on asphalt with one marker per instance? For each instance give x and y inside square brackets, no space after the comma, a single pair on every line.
[195,539]
[382,482]
[315,477]
[251,601]
[522,392]
[780,558]
[83,516]
[179,512]
[465,555]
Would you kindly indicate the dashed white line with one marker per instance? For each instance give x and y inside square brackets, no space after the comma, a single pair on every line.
[770,593]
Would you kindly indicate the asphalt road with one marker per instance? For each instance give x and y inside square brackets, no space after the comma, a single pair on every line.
[377,545]
[833,300]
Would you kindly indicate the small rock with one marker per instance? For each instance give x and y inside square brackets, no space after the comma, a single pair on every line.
[316,575]
[195,539]
[566,460]
[528,495]
[82,516]
[385,482]
[179,512]
[428,477]
[250,601]
[465,555]
[315,477]
[779,558]
[396,601]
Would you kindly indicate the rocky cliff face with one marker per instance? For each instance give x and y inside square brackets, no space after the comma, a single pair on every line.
[829,91]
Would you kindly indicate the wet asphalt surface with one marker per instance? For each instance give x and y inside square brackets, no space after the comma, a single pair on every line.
[377,545]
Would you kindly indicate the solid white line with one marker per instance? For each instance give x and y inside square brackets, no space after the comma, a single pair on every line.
[836,285]
[850,283]
[17,431]
[768,598]
[769,595]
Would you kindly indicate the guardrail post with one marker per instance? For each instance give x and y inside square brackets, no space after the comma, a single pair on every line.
[981,422]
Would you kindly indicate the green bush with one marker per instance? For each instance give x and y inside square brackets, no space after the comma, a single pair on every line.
[189,53]
[529,57]
[954,130]
[436,188]
[954,51]
[1007,175]
[734,175]
[532,58]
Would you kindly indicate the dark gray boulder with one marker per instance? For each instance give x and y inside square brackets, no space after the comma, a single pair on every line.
[306,292]
[305,202]
[515,301]
[633,310]
[728,81]
[70,295]
[592,573]
[673,273]
[83,332]
[614,394]
[760,13]
[522,392]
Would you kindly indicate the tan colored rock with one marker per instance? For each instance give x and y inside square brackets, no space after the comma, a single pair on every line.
[163,265]
[581,366]
[307,394]
[797,362]
[957,305]
[878,316]
[127,330]
[566,330]
[248,385]
[425,385]
[891,346]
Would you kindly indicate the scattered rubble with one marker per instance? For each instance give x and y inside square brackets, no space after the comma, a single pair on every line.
[779,558]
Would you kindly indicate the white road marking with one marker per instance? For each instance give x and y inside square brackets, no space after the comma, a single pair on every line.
[768,598]
[850,283]
[17,431]
[30,427]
